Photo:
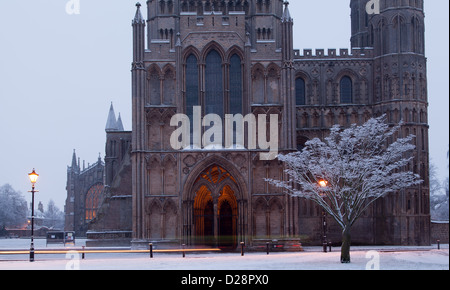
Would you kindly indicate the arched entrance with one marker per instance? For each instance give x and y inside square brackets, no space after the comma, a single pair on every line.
[215,209]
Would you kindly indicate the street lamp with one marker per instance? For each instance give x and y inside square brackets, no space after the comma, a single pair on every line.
[33,178]
[323,183]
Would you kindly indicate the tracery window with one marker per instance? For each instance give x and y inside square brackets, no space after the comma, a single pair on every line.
[192,85]
[214,84]
[92,201]
[222,82]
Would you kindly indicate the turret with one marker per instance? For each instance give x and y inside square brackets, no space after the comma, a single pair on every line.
[288,76]
[113,124]
[162,22]
[75,166]
[138,78]
[360,24]
[398,34]
[399,28]
[400,92]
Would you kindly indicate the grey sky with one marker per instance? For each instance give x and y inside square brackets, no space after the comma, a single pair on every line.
[59,73]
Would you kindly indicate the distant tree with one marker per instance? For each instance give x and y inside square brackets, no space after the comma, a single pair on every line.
[435,184]
[53,217]
[40,207]
[445,186]
[350,170]
[438,196]
[439,199]
[13,207]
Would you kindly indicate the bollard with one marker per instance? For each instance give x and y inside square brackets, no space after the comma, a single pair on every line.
[151,250]
[82,253]
[329,246]
[324,246]
[439,244]
[242,249]
[184,253]
[268,248]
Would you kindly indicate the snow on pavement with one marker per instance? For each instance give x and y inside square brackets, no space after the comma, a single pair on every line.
[396,258]
[383,258]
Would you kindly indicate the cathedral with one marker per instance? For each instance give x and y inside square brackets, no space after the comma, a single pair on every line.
[237,57]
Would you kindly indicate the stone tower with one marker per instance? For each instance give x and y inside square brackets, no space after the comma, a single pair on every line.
[400,91]
[397,37]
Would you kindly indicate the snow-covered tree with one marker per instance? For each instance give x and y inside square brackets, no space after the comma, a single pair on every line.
[53,217]
[439,196]
[435,183]
[13,207]
[349,170]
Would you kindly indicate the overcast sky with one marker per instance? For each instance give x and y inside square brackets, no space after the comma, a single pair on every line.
[60,72]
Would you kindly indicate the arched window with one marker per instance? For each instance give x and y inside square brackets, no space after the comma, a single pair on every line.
[154,86]
[169,87]
[214,84]
[92,200]
[235,85]
[346,90]
[404,36]
[300,92]
[384,29]
[192,88]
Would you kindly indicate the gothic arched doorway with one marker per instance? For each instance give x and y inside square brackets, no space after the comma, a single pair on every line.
[215,209]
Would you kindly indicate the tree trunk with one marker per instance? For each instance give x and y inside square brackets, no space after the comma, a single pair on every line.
[346,242]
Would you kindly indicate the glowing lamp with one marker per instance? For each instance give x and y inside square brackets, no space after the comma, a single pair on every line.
[323,183]
[33,177]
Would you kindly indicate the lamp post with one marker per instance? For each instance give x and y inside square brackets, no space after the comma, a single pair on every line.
[33,178]
[323,183]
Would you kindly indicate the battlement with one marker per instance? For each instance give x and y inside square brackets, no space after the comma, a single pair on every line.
[364,52]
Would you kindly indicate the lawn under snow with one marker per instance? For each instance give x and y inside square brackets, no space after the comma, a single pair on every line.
[387,258]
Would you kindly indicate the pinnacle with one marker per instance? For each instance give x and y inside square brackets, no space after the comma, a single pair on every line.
[138,19]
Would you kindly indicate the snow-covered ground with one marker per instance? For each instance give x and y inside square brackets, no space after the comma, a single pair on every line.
[384,258]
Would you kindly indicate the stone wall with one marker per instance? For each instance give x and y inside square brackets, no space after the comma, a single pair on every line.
[439,231]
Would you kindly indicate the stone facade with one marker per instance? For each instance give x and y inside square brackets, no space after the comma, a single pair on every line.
[85,188]
[237,56]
